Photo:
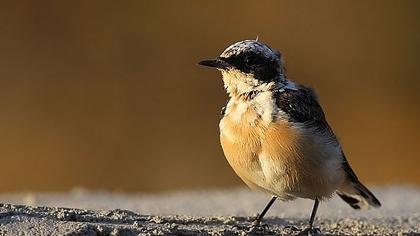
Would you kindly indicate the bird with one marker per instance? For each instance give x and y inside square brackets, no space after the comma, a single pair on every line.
[275,136]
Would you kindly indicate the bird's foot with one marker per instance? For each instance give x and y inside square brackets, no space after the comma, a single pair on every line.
[291,227]
[257,226]
[257,221]
[310,231]
[257,229]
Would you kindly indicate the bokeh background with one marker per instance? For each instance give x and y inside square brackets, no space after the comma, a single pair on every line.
[107,94]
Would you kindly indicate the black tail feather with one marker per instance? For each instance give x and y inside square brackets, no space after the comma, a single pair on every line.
[358,196]
[353,202]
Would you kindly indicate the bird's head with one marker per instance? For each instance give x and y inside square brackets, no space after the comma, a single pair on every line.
[249,66]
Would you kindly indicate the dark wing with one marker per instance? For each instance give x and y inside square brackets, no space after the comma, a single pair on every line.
[349,171]
[301,106]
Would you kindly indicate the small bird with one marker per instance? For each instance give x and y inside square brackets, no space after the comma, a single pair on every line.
[275,136]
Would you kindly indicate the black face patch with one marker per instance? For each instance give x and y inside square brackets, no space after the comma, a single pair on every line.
[264,69]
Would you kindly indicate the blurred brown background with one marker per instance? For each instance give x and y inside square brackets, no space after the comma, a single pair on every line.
[107,95]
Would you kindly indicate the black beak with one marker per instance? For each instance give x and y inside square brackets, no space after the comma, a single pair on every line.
[217,63]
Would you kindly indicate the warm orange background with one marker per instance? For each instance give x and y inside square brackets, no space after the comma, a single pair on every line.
[107,95]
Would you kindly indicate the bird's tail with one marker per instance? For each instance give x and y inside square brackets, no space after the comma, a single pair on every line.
[358,196]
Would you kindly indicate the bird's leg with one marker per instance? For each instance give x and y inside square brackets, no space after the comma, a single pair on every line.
[311,221]
[310,230]
[260,216]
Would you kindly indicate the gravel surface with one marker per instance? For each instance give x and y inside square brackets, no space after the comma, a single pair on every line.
[210,212]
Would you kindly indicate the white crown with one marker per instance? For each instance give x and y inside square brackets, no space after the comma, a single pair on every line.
[249,45]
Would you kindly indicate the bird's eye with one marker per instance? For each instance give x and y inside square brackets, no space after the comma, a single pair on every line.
[250,60]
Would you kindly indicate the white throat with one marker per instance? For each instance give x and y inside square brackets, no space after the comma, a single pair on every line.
[238,83]
[261,108]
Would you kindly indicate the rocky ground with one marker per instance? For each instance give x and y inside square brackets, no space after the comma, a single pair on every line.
[210,212]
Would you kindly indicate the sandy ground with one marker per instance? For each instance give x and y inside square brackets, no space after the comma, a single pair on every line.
[210,212]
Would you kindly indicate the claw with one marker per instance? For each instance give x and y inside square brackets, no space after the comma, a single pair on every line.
[257,227]
[310,231]
[291,227]
[256,221]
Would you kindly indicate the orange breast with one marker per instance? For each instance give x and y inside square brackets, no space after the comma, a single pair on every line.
[241,145]
[277,158]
